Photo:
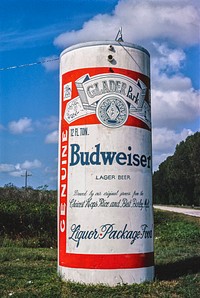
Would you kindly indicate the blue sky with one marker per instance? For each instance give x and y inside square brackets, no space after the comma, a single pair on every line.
[38,30]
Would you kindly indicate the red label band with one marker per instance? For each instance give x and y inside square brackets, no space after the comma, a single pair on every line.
[92,119]
[115,261]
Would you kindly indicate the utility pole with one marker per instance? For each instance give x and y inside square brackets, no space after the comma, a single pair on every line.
[26,177]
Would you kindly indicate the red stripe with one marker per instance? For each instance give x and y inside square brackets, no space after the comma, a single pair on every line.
[114,261]
[135,122]
[92,119]
[89,119]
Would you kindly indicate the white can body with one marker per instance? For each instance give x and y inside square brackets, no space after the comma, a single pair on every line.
[105,215]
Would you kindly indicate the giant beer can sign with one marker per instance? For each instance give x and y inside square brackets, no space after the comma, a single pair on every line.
[105,216]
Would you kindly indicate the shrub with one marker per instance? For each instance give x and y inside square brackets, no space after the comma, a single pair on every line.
[28,213]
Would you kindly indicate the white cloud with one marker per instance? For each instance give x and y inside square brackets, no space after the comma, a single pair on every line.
[172,108]
[48,123]
[20,126]
[174,101]
[27,125]
[19,169]
[31,164]
[177,82]
[166,59]
[25,166]
[165,140]
[166,64]
[52,137]
[142,21]
[4,167]
[17,173]
[101,27]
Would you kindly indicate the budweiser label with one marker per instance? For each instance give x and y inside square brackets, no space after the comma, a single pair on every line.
[105,176]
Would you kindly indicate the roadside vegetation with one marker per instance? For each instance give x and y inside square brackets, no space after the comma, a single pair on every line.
[177,181]
[28,253]
[28,216]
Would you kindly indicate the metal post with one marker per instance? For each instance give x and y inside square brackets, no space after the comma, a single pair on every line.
[26,177]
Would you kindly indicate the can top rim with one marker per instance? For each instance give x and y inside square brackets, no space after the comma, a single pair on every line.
[105,42]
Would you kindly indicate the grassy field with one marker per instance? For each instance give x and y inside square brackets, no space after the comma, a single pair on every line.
[31,272]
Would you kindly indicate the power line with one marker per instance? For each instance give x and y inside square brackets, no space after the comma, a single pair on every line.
[26,177]
[29,64]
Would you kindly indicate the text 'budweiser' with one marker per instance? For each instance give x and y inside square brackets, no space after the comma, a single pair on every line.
[98,157]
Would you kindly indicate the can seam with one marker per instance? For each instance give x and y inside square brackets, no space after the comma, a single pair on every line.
[106,42]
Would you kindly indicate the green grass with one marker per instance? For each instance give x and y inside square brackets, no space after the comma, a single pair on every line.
[31,272]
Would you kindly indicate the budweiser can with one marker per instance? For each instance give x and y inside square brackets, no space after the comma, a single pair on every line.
[105,215]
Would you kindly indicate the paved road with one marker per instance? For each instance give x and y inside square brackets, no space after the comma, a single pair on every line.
[192,212]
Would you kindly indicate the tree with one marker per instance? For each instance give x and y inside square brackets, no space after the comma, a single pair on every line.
[178,179]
